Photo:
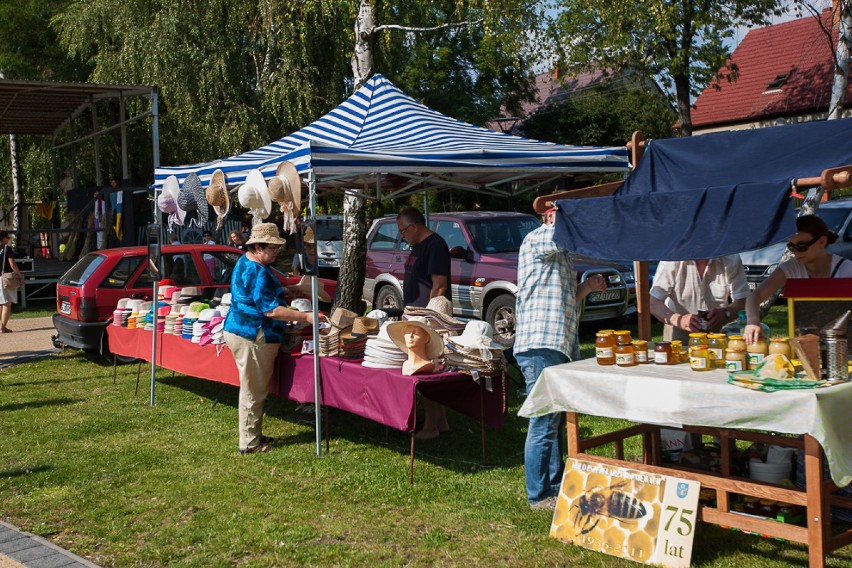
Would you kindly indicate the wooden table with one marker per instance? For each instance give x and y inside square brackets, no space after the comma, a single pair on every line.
[656,396]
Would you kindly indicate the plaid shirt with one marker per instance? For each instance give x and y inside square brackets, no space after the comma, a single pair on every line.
[546,311]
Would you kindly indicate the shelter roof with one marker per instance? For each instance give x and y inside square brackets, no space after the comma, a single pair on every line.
[784,69]
[43,107]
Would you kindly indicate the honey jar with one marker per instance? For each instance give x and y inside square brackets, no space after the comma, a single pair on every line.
[622,336]
[624,354]
[756,353]
[605,347]
[717,342]
[736,342]
[663,353]
[781,346]
[697,339]
[640,349]
[735,359]
[677,352]
[699,358]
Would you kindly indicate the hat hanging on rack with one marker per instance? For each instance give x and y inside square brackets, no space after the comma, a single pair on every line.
[217,196]
[254,196]
[167,202]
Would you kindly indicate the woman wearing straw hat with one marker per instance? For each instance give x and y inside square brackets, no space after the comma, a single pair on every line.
[254,329]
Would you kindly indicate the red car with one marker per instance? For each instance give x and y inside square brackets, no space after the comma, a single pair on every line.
[87,295]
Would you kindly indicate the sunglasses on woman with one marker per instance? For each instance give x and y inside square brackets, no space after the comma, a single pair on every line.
[802,246]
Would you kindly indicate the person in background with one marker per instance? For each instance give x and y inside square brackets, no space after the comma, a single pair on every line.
[305,262]
[427,270]
[810,260]
[254,329]
[427,275]
[7,297]
[546,320]
[236,240]
[209,259]
[692,296]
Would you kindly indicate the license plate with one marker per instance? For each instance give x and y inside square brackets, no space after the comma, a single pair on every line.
[605,296]
[65,308]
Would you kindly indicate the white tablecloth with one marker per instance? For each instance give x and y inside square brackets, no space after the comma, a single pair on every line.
[676,395]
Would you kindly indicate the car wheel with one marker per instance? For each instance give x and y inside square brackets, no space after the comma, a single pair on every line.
[388,298]
[501,316]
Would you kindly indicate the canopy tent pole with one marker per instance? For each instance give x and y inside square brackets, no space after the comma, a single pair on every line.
[312,206]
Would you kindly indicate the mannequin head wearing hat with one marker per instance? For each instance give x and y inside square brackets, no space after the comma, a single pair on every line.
[422,344]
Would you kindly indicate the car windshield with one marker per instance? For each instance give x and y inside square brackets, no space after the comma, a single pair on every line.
[502,234]
[80,272]
[329,230]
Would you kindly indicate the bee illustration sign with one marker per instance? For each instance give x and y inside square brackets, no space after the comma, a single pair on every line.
[628,513]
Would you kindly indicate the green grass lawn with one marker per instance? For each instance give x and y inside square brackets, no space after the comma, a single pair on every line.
[34,309]
[95,469]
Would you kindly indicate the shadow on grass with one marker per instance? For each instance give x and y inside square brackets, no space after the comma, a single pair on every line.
[9,473]
[38,404]
[714,543]
[459,450]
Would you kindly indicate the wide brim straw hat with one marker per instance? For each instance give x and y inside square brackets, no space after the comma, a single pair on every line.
[265,233]
[279,192]
[254,196]
[365,326]
[287,173]
[396,331]
[303,288]
[217,196]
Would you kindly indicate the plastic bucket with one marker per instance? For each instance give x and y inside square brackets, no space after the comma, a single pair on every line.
[770,472]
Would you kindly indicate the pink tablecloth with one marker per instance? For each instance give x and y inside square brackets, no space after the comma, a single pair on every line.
[382,395]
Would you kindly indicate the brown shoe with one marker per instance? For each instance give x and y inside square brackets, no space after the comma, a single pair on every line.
[259,449]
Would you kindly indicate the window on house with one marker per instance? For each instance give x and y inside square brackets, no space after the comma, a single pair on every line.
[777,82]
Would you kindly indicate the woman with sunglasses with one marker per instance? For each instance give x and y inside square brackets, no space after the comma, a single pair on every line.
[810,260]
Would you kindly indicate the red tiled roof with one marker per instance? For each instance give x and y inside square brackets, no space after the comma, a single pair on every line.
[798,47]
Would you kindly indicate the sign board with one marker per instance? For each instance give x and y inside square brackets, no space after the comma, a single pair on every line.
[628,513]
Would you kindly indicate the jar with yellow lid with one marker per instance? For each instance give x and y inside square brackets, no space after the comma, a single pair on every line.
[735,359]
[697,338]
[736,342]
[640,348]
[699,358]
[624,354]
[622,336]
[756,353]
[663,353]
[717,342]
[781,345]
[605,347]
[678,355]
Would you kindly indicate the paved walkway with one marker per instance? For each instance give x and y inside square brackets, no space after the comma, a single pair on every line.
[18,549]
[29,340]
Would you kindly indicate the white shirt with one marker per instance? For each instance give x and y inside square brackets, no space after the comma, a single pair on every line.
[794,269]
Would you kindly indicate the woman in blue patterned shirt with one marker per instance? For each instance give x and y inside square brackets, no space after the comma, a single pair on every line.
[254,329]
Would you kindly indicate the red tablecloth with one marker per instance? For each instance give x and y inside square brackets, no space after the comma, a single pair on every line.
[382,395]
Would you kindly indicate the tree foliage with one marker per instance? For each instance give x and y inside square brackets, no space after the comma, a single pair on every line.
[681,42]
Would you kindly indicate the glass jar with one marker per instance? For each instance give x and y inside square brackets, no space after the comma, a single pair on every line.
[622,336]
[735,359]
[767,508]
[717,342]
[640,348]
[663,353]
[736,342]
[624,354]
[677,352]
[757,352]
[751,505]
[697,339]
[605,347]
[781,346]
[699,358]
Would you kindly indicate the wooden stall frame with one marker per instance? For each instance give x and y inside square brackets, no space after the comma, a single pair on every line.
[816,498]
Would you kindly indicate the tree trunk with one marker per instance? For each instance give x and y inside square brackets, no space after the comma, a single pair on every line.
[684,113]
[841,61]
[17,194]
[350,283]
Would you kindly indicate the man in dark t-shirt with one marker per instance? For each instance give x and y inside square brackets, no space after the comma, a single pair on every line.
[427,270]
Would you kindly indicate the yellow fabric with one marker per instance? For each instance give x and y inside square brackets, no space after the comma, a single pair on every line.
[45,209]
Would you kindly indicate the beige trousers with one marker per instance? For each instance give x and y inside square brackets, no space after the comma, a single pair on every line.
[255,360]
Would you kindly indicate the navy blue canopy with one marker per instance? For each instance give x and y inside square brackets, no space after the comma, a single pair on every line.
[705,196]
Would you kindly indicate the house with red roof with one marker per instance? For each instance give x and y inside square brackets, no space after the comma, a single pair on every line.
[784,75]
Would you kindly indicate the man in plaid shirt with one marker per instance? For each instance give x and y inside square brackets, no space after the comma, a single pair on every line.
[546,322]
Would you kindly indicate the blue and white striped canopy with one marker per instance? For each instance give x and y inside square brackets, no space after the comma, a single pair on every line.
[381,131]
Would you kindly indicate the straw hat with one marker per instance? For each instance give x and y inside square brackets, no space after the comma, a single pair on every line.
[217,196]
[167,201]
[396,330]
[254,196]
[303,288]
[291,196]
[309,237]
[342,318]
[266,233]
[365,326]
[301,304]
